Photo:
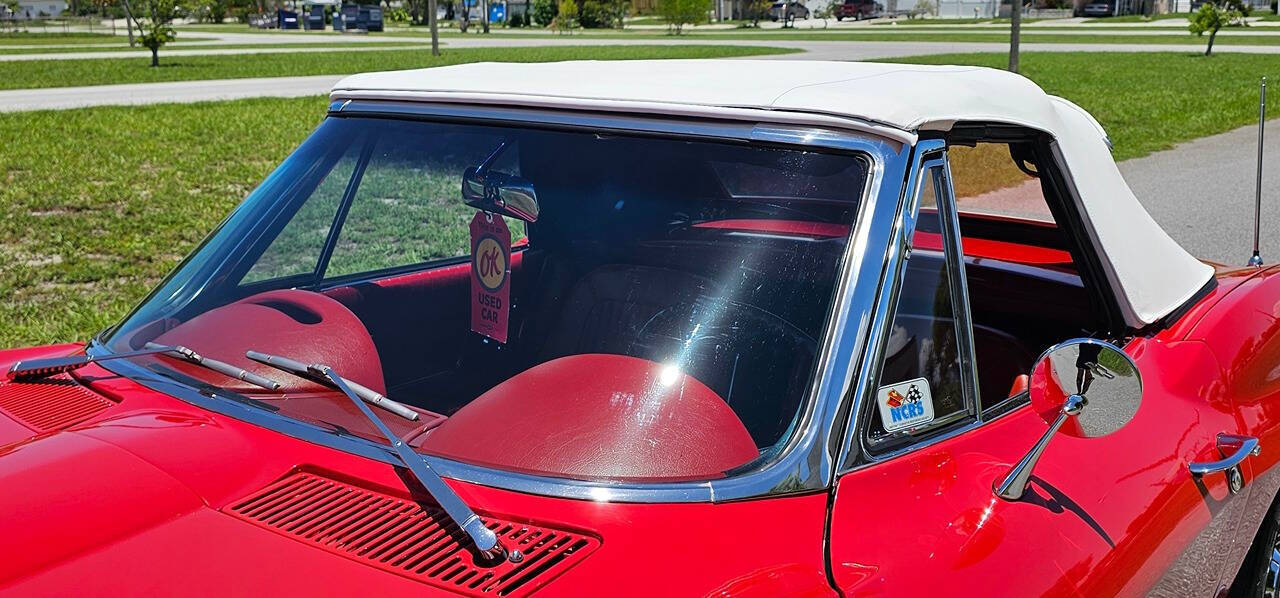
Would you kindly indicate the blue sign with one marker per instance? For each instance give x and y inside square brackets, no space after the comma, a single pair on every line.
[497,12]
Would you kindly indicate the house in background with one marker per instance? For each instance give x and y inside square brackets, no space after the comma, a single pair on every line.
[35,9]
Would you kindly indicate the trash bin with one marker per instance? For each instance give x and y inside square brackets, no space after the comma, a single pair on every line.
[372,17]
[351,18]
[287,19]
[315,18]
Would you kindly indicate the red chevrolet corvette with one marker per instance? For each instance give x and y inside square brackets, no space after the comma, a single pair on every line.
[705,328]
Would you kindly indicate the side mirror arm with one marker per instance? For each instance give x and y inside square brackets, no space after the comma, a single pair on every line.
[1015,482]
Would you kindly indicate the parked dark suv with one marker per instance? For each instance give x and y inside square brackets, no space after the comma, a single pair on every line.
[858,10]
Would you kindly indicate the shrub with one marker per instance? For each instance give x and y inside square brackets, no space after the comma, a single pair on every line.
[544,11]
[516,20]
[567,15]
[678,13]
[594,15]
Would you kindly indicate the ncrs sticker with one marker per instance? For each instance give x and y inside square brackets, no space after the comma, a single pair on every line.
[905,405]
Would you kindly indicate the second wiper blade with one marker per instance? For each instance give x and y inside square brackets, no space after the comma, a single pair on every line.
[226,369]
[311,372]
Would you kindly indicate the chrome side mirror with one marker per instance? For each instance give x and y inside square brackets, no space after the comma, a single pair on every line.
[1083,387]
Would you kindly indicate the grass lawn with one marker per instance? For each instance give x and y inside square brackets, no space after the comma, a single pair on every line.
[57,73]
[124,47]
[1135,18]
[1029,36]
[90,227]
[21,38]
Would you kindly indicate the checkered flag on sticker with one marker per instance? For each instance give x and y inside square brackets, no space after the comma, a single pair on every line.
[913,394]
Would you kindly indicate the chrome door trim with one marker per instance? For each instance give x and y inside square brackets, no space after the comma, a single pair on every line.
[927,153]
[807,462]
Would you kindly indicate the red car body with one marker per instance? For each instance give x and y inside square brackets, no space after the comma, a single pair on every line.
[104,503]
[115,480]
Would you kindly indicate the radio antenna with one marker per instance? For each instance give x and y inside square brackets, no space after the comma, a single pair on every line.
[1256,258]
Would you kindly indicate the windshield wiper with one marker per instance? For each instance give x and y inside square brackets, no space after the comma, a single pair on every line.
[457,510]
[308,372]
[35,369]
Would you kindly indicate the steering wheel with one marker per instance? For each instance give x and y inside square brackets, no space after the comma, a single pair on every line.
[750,357]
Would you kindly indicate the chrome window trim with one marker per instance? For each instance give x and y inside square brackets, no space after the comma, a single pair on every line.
[960,306]
[807,462]
[854,453]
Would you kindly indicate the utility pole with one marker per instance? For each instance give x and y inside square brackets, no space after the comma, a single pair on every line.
[1015,32]
[435,31]
[484,19]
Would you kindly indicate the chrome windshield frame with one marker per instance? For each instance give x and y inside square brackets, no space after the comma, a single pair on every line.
[808,461]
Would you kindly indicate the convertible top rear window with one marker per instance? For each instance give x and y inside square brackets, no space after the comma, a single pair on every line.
[660,317]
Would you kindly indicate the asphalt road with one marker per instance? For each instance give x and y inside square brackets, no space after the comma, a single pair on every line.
[1202,193]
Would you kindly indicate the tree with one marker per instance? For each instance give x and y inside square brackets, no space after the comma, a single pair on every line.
[1211,18]
[156,32]
[618,11]
[678,13]
[213,11]
[755,10]
[566,16]
[1015,33]
[129,21]
[824,13]
[435,27]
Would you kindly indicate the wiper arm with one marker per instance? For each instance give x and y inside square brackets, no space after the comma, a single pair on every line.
[309,372]
[483,537]
[35,369]
[225,369]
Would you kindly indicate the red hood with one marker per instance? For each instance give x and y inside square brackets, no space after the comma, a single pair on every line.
[142,498]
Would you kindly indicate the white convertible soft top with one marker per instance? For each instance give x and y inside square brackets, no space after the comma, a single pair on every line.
[1151,274]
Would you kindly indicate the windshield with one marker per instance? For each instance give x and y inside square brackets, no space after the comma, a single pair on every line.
[653,313]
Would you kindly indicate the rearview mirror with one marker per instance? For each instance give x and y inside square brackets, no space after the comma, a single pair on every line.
[1083,387]
[500,193]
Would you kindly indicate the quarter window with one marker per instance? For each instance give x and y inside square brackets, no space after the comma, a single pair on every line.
[922,382]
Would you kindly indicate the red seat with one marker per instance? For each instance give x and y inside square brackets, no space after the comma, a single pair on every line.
[598,416]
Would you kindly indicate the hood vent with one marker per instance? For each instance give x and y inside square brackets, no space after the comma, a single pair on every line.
[409,538]
[50,404]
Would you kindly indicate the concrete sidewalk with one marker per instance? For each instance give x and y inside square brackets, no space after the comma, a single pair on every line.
[60,98]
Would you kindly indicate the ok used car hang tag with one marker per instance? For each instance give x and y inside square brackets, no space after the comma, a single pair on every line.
[490,275]
[905,404]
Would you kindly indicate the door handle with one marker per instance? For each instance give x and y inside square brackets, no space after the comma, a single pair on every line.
[1239,448]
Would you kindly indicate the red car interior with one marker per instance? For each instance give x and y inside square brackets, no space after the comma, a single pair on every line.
[671,423]
[586,322]
[306,326]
